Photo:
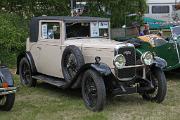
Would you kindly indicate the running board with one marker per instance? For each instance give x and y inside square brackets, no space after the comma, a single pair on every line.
[51,80]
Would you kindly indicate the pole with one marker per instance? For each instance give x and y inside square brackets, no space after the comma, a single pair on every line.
[72,8]
[125,19]
[125,25]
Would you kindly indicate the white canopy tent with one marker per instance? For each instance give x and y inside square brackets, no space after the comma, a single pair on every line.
[162,1]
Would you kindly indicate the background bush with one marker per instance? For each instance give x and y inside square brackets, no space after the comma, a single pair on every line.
[13,33]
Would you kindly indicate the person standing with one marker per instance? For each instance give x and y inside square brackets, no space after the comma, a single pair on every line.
[146,29]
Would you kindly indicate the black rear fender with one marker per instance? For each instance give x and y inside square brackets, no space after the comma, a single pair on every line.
[28,55]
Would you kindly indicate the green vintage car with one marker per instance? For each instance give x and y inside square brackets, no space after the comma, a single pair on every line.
[168,49]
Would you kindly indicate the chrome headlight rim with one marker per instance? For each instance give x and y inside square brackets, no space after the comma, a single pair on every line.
[117,63]
[147,58]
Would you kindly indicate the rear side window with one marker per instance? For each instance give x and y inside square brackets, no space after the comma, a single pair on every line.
[160,9]
[147,10]
[50,30]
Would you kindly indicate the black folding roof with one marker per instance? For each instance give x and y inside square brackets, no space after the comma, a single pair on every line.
[34,23]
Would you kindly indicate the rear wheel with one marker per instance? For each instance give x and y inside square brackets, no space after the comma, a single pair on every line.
[158,79]
[93,91]
[26,73]
[7,102]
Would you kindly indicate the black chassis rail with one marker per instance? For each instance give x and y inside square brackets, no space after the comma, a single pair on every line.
[130,87]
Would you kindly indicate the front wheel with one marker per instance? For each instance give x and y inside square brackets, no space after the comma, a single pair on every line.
[93,91]
[158,79]
[7,102]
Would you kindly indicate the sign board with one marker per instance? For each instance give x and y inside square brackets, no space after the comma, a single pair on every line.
[103,25]
[44,31]
[94,29]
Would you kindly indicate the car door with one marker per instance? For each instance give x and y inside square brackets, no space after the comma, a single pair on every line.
[168,52]
[49,45]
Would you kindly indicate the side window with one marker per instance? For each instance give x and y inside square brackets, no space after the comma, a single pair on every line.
[160,9]
[50,30]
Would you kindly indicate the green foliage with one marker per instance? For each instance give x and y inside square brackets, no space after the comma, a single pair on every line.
[14,21]
[30,8]
[13,33]
[118,10]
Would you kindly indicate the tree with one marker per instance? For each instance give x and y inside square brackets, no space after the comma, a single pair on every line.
[29,8]
[118,10]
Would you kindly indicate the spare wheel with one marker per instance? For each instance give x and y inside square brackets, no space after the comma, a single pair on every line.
[72,61]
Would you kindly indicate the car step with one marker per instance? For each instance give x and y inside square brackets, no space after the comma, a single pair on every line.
[51,80]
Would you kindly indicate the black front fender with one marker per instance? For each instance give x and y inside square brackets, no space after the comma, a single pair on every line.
[160,63]
[100,68]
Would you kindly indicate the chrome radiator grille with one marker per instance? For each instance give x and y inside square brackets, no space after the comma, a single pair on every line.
[130,55]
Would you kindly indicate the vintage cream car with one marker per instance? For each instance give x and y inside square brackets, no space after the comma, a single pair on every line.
[77,52]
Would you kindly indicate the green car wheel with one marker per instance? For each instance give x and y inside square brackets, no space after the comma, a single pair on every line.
[158,79]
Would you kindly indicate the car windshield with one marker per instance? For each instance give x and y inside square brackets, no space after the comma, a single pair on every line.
[154,40]
[176,30]
[87,29]
[159,42]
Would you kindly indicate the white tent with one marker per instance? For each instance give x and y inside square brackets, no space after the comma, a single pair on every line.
[162,1]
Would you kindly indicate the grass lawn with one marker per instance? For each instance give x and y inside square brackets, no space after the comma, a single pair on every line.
[46,102]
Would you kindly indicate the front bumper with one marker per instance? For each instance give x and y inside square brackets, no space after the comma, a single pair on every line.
[9,90]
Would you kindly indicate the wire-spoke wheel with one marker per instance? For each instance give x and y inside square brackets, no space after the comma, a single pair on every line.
[93,91]
[71,64]
[72,61]
[158,80]
[26,73]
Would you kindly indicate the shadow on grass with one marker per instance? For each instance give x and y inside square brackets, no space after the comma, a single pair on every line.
[173,75]
[74,93]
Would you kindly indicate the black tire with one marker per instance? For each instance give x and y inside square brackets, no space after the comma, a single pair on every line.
[8,102]
[72,61]
[159,81]
[25,73]
[95,96]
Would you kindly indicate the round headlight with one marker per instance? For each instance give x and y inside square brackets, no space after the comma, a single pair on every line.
[147,58]
[119,61]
